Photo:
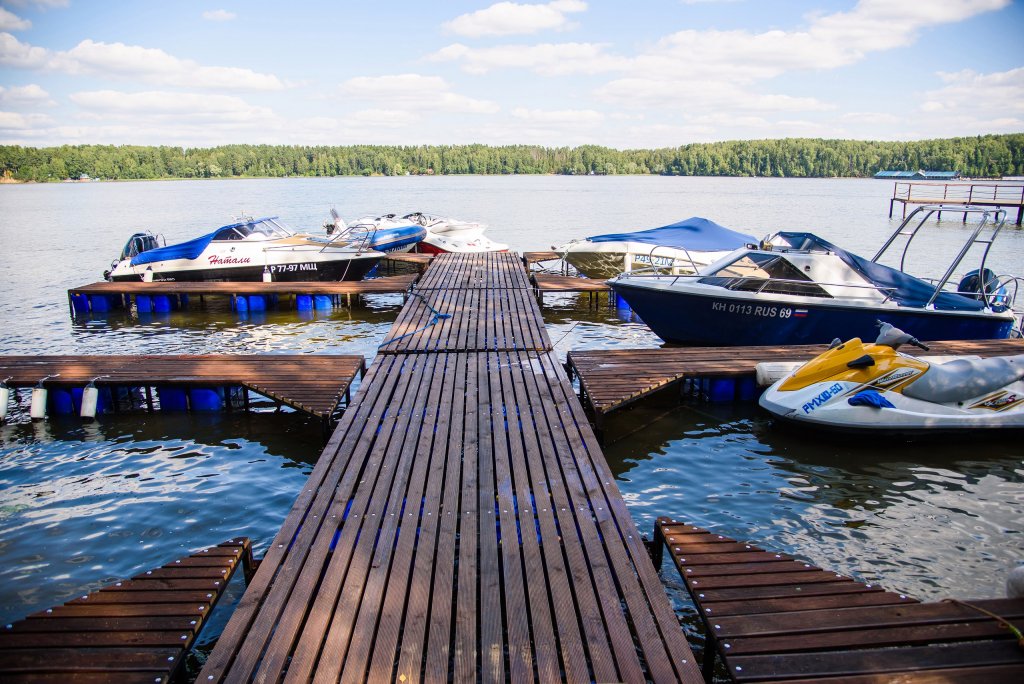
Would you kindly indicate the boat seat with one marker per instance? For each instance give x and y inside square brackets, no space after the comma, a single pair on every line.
[965,378]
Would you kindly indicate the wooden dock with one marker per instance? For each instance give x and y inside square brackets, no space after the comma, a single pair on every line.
[613,378]
[312,383]
[137,630]
[462,523]
[772,617]
[1002,195]
[389,284]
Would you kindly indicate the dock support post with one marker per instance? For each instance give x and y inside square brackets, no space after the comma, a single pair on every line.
[658,544]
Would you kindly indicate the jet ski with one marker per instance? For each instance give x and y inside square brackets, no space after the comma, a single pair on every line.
[448,235]
[874,388]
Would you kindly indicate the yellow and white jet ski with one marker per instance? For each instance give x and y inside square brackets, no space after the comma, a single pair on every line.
[858,387]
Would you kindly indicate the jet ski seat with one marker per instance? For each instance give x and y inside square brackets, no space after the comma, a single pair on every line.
[965,378]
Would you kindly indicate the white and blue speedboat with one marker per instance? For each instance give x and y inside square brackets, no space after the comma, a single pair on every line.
[797,288]
[387,233]
[678,248]
[247,250]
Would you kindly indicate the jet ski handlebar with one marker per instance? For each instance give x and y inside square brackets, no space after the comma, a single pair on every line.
[892,336]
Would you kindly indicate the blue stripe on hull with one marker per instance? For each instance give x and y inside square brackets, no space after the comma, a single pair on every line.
[694,319]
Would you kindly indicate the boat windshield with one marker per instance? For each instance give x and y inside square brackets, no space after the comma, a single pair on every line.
[764,272]
[261,229]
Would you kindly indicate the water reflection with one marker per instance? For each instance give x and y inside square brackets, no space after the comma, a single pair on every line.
[86,504]
[929,520]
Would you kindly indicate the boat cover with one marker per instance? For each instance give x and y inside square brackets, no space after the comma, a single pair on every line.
[906,289]
[698,234]
[183,250]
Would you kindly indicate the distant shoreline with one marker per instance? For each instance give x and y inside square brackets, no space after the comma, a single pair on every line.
[987,156]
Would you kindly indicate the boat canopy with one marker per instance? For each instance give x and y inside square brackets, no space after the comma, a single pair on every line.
[193,248]
[694,233]
[904,289]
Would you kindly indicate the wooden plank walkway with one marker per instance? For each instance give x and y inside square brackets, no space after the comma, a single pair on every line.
[313,383]
[492,270]
[132,631]
[547,282]
[772,617]
[461,525]
[613,378]
[389,284]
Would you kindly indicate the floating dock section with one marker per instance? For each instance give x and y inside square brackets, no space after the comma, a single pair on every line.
[167,296]
[138,630]
[313,383]
[462,524]
[772,617]
[613,378]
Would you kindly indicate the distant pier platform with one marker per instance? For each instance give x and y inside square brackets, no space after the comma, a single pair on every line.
[998,195]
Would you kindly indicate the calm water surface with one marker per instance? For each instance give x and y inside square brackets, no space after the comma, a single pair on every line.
[81,505]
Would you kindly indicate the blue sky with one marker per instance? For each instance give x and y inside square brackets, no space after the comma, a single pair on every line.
[567,72]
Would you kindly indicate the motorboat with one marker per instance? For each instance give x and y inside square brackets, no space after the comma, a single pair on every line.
[797,288]
[873,388]
[387,233]
[676,249]
[452,235]
[247,250]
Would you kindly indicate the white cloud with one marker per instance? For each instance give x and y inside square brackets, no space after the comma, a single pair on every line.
[565,117]
[219,15]
[383,118]
[968,90]
[161,104]
[416,92]
[14,121]
[146,65]
[152,65]
[548,59]
[30,94]
[12,22]
[14,53]
[510,18]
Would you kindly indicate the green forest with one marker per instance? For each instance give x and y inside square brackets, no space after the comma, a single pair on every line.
[987,156]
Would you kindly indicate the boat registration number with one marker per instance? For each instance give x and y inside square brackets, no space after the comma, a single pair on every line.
[291,268]
[753,310]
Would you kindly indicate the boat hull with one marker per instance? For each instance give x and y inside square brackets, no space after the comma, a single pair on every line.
[707,319]
[346,269]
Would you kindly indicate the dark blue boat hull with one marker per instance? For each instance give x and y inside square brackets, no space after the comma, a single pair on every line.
[687,318]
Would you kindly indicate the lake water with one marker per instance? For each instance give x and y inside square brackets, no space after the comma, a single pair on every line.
[82,505]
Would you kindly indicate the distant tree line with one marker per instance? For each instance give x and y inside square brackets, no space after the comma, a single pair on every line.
[982,156]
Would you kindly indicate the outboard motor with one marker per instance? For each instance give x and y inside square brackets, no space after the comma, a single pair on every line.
[984,287]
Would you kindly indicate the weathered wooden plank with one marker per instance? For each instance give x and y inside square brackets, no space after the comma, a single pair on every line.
[474,548]
[124,629]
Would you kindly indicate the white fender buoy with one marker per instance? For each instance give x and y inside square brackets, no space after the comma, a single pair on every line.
[38,409]
[147,275]
[90,397]
[1015,582]
[267,275]
[5,398]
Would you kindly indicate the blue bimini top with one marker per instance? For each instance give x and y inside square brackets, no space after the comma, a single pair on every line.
[904,289]
[694,233]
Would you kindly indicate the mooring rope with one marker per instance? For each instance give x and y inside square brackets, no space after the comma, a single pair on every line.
[1003,622]
[438,316]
